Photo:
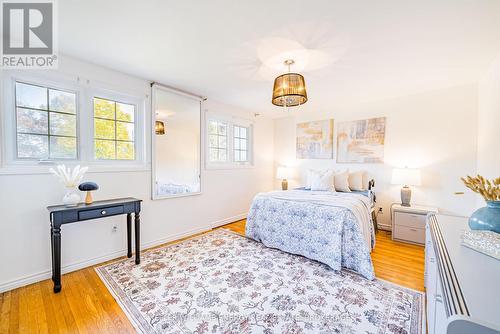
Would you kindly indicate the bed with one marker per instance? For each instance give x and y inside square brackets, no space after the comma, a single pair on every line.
[334,228]
[172,188]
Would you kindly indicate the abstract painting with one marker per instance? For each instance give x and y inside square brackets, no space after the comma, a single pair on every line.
[315,140]
[361,141]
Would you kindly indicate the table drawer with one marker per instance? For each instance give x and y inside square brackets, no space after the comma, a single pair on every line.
[409,219]
[96,213]
[412,234]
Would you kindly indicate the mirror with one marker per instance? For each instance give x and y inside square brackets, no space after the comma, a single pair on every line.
[176,143]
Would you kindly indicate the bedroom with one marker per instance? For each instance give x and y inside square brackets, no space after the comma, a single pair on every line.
[168,109]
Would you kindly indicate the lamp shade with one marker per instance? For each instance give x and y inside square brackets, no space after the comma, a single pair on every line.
[406,176]
[159,127]
[289,90]
[283,173]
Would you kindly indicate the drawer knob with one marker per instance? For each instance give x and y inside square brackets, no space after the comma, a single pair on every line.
[103,212]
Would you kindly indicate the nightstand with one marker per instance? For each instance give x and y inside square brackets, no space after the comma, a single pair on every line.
[408,222]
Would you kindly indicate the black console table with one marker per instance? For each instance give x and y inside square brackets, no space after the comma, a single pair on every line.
[60,215]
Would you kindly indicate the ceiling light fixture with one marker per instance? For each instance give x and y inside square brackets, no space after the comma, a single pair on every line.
[289,89]
[159,128]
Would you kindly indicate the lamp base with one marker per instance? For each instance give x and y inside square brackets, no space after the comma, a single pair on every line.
[405,196]
[284,184]
[88,198]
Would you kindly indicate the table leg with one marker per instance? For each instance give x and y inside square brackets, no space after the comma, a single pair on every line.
[129,235]
[56,270]
[137,238]
[375,222]
[52,252]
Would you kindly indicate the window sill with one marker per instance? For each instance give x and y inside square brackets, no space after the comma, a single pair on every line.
[44,169]
[229,166]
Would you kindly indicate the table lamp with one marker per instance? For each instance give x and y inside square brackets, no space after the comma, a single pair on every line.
[283,173]
[406,177]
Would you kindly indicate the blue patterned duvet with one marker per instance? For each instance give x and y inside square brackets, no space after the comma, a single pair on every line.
[330,227]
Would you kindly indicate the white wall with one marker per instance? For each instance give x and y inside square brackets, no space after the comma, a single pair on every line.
[434,131]
[488,155]
[24,227]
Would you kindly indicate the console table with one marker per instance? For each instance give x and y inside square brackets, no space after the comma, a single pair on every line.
[60,215]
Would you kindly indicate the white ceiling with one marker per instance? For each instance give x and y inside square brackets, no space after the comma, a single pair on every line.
[228,50]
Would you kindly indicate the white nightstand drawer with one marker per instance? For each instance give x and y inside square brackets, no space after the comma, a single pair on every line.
[407,233]
[408,222]
[409,219]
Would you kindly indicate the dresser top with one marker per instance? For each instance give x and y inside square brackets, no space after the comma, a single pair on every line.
[94,205]
[414,208]
[478,274]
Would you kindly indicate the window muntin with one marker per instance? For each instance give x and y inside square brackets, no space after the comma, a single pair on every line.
[46,122]
[237,142]
[240,144]
[114,130]
[217,141]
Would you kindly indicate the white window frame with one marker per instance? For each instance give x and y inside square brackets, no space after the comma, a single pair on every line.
[139,127]
[247,139]
[49,135]
[231,121]
[85,90]
[9,137]
[218,121]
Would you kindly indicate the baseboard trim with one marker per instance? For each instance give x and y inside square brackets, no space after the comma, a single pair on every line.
[385,227]
[174,237]
[229,220]
[30,279]
[40,276]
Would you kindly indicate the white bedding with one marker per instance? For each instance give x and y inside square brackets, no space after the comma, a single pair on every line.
[171,188]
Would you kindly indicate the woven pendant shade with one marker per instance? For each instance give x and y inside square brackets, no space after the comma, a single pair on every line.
[289,90]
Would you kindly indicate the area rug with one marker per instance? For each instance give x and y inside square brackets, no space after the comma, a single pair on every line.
[222,282]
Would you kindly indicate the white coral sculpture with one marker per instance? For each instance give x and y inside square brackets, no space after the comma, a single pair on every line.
[67,177]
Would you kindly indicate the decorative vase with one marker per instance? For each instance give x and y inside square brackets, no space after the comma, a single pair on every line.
[71,198]
[487,218]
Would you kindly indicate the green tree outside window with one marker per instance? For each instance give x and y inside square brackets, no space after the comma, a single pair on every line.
[114,137]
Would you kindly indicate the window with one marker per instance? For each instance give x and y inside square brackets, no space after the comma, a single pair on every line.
[53,118]
[229,143]
[114,126]
[217,141]
[240,144]
[46,123]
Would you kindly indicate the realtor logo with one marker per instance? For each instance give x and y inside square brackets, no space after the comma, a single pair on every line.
[28,31]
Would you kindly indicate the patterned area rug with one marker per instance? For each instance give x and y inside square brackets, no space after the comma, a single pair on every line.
[222,282]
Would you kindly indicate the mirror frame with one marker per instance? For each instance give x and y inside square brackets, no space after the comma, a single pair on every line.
[154,88]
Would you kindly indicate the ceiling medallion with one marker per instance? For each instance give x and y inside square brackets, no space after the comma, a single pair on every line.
[289,89]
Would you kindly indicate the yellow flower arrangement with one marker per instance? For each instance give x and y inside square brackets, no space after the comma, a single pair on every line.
[489,189]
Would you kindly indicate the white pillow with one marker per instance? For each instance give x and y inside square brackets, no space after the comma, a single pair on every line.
[356,180]
[311,174]
[341,181]
[321,180]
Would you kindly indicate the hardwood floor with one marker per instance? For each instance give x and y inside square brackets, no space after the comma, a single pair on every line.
[85,305]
